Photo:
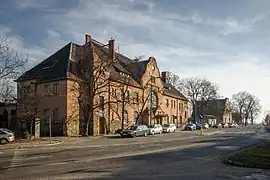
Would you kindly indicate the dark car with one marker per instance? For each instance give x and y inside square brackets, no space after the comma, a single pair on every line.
[190,127]
[198,126]
[136,130]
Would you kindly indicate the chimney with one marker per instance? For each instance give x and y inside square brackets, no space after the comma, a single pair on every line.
[112,48]
[87,38]
[164,76]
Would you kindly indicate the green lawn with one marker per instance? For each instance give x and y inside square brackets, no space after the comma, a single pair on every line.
[255,157]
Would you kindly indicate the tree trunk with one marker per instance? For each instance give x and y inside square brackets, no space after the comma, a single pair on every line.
[195,112]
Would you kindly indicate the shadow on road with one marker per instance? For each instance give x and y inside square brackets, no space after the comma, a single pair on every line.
[176,164]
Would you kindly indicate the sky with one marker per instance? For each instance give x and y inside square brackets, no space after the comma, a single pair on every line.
[226,41]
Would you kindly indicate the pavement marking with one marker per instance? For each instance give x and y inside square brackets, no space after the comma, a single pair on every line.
[1,152]
[57,164]
[227,147]
[16,160]
[34,157]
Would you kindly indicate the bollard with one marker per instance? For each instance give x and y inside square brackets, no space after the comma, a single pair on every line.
[201,132]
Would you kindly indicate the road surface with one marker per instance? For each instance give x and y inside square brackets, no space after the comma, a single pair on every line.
[182,155]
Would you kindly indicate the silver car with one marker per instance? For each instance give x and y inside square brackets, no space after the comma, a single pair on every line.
[6,136]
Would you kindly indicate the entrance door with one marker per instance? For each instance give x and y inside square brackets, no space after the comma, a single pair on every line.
[102,125]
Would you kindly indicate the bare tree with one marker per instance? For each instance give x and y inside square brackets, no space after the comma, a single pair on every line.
[7,90]
[93,82]
[28,108]
[11,62]
[198,90]
[172,79]
[247,105]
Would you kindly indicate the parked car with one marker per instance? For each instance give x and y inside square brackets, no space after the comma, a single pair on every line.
[155,129]
[217,125]
[135,130]
[6,136]
[168,128]
[190,126]
[198,126]
[225,125]
[205,126]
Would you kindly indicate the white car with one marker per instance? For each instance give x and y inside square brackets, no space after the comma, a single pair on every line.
[155,129]
[6,136]
[206,126]
[168,128]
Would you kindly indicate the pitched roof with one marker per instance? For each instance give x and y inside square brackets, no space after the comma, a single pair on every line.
[215,107]
[59,65]
[53,67]
[171,90]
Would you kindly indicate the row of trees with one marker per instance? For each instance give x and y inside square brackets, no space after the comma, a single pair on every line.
[198,89]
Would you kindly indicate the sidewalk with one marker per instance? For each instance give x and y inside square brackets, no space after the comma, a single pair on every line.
[22,143]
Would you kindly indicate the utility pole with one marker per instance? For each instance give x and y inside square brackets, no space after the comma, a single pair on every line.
[50,127]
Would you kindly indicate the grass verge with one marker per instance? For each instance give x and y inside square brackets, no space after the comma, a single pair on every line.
[256,157]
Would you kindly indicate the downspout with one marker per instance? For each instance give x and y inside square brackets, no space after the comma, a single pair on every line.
[109,109]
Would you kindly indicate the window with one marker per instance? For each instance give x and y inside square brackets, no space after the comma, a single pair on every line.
[127,96]
[179,106]
[153,100]
[46,88]
[136,114]
[55,88]
[126,116]
[167,102]
[153,79]
[56,115]
[171,103]
[47,115]
[136,97]
[101,103]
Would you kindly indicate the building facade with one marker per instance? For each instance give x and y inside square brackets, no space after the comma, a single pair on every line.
[93,81]
[218,109]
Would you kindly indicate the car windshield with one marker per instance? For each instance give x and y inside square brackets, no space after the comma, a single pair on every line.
[133,127]
[166,125]
[151,126]
[5,130]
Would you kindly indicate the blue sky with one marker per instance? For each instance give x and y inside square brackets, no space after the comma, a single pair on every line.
[226,41]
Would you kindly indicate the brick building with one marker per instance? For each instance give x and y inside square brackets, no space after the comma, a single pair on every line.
[127,89]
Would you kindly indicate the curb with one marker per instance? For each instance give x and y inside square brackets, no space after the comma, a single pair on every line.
[244,165]
[21,146]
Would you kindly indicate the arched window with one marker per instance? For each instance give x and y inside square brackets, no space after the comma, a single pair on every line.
[126,116]
[153,100]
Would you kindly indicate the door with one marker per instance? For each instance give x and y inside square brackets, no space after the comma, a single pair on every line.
[101,125]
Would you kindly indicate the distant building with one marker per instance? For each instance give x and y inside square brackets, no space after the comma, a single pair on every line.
[267,119]
[49,87]
[217,110]
[237,118]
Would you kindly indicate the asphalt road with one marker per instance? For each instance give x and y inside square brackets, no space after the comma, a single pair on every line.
[182,155]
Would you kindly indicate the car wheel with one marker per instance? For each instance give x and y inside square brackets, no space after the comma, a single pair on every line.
[145,134]
[3,141]
[174,130]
